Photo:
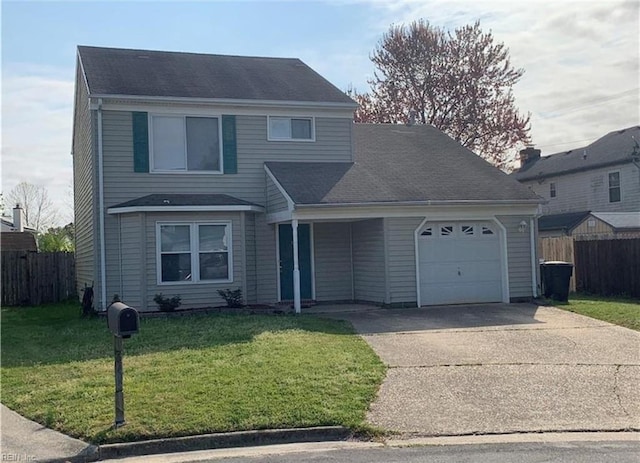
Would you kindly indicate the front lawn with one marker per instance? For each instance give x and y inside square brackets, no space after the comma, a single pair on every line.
[187,375]
[623,312]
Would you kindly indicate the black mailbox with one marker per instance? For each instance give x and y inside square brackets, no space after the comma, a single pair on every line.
[123,320]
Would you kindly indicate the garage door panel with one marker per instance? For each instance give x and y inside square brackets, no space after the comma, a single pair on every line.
[463,267]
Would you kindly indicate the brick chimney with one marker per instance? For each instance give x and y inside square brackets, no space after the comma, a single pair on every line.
[528,155]
[18,218]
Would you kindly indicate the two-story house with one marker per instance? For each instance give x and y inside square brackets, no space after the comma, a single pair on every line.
[593,190]
[194,173]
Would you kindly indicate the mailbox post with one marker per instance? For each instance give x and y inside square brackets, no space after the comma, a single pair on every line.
[123,321]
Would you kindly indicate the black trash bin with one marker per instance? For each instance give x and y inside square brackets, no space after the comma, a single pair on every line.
[555,279]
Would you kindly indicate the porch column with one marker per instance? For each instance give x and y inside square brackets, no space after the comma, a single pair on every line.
[296,269]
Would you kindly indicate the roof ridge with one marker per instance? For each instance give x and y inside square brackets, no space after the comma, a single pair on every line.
[142,50]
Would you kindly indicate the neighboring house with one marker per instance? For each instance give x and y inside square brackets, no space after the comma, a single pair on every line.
[194,173]
[603,176]
[17,223]
[15,235]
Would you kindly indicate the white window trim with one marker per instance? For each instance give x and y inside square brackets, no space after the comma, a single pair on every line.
[184,116]
[195,253]
[609,186]
[295,140]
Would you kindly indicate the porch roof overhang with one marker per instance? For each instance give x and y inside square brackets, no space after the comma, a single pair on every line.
[442,209]
[185,203]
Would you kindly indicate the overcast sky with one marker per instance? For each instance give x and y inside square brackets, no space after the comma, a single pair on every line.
[580,58]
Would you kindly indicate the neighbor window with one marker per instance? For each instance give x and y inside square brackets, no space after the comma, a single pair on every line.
[191,252]
[185,143]
[552,190]
[614,187]
[291,128]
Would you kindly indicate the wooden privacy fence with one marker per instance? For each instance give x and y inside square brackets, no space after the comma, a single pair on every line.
[560,248]
[31,278]
[608,267]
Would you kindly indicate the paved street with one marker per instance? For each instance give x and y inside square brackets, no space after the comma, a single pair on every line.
[501,368]
[556,452]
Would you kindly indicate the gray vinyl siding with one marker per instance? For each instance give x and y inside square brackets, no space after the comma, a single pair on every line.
[276,202]
[121,183]
[401,259]
[84,187]
[251,295]
[332,258]
[131,258]
[369,260]
[518,256]
[266,262]
[333,143]
[589,191]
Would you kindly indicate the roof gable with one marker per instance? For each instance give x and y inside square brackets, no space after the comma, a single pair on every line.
[616,147]
[145,73]
[397,163]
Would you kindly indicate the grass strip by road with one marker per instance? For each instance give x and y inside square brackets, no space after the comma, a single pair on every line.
[185,376]
[619,311]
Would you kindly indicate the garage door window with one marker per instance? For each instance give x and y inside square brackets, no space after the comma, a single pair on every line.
[487,231]
[446,230]
[467,230]
[427,232]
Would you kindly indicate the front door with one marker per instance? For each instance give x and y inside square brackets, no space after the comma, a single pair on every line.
[285,241]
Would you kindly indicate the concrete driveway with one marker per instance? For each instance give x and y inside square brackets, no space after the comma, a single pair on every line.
[501,368]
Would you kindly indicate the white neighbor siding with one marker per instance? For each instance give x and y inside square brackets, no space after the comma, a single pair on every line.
[589,191]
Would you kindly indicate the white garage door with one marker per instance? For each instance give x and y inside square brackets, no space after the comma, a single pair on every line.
[460,262]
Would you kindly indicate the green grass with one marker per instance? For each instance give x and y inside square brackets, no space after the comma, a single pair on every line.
[623,312]
[187,375]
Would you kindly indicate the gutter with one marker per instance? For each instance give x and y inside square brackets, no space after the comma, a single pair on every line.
[228,101]
[103,264]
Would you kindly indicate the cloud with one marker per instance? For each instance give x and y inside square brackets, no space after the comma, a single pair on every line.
[37,109]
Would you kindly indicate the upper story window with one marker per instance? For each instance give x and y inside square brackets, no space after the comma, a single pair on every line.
[614,187]
[185,143]
[552,190]
[291,128]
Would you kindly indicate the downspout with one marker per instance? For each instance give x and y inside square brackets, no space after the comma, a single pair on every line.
[103,264]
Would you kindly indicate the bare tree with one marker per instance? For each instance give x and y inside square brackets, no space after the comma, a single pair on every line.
[38,209]
[460,82]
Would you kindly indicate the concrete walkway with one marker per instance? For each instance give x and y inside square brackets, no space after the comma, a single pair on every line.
[501,368]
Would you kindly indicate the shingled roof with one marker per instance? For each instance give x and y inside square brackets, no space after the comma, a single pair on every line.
[396,163]
[564,222]
[614,148]
[168,200]
[140,73]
